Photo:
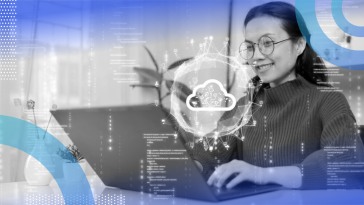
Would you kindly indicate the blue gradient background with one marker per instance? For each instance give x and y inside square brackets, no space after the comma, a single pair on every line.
[66,29]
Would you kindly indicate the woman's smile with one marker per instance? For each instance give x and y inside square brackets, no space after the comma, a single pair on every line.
[263,67]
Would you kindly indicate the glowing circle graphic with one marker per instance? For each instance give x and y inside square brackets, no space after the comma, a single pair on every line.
[202,102]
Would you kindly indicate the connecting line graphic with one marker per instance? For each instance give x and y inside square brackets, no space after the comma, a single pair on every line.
[208,111]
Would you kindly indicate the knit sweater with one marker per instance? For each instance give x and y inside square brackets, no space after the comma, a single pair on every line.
[297,124]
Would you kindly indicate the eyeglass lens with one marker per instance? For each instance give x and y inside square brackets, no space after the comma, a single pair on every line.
[265,45]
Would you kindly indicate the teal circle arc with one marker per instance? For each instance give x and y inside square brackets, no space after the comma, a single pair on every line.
[322,42]
[17,133]
[342,22]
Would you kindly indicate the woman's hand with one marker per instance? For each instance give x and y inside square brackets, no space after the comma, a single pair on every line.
[287,176]
[240,170]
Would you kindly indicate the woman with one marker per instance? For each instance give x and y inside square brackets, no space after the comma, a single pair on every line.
[297,123]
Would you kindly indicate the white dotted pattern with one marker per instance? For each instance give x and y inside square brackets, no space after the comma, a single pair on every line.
[8,40]
[58,199]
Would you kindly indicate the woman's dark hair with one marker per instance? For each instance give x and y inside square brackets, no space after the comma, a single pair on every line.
[308,61]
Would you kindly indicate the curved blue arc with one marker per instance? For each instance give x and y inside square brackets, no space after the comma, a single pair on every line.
[321,41]
[16,133]
[337,13]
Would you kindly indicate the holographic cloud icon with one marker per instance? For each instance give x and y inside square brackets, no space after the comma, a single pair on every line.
[210,96]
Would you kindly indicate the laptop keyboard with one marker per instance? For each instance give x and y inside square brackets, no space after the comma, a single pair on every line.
[242,190]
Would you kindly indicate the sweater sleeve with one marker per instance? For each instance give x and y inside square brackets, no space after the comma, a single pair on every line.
[338,163]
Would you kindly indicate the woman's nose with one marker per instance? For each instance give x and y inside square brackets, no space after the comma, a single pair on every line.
[257,54]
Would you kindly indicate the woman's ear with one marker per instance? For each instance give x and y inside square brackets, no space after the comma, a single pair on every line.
[300,45]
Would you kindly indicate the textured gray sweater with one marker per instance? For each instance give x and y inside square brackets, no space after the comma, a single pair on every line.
[296,124]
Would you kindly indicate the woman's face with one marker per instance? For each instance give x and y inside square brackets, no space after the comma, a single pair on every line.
[277,67]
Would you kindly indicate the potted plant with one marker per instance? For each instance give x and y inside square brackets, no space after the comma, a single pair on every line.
[72,158]
[154,78]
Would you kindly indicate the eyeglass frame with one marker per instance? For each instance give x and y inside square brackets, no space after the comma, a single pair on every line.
[259,47]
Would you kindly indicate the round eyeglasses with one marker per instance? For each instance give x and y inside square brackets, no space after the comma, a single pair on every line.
[265,45]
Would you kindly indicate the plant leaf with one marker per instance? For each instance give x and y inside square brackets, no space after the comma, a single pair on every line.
[149,74]
[187,120]
[178,63]
[145,85]
[153,59]
[183,91]
[169,84]
[166,95]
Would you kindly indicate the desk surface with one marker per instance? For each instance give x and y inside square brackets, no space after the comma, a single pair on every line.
[22,193]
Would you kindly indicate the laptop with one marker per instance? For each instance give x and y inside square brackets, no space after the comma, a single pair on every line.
[137,148]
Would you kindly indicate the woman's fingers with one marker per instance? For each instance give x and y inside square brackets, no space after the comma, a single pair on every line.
[223,177]
[214,177]
[235,168]
[240,178]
